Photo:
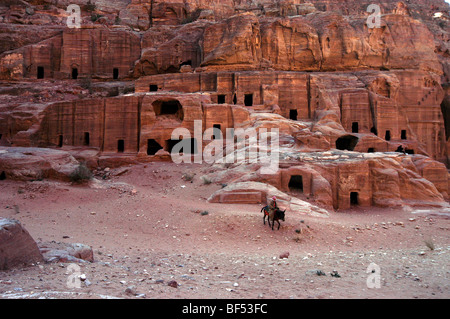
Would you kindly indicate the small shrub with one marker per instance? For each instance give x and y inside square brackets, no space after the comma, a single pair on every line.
[429,243]
[86,83]
[191,17]
[188,177]
[206,180]
[95,17]
[81,174]
[187,20]
[39,176]
[128,90]
[90,7]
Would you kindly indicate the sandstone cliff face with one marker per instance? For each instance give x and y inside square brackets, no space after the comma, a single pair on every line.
[234,41]
[171,12]
[384,110]
[318,41]
[71,55]
[112,49]
[290,44]
[339,180]
[363,112]
[165,50]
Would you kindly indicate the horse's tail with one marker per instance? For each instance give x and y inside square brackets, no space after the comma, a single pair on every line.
[263,209]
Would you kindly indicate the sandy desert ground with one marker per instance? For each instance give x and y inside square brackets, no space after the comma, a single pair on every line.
[149,227]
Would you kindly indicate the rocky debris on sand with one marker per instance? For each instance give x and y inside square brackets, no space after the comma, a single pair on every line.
[284,255]
[62,252]
[131,290]
[317,272]
[334,273]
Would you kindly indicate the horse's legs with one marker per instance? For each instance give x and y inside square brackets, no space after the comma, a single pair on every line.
[278,224]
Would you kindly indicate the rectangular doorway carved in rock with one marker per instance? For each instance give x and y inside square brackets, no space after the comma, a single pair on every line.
[217,131]
[40,72]
[221,99]
[387,136]
[86,139]
[152,147]
[403,135]
[248,100]
[120,146]
[296,183]
[74,73]
[293,114]
[354,200]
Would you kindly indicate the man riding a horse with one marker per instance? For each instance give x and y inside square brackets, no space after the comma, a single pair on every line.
[272,206]
[273,212]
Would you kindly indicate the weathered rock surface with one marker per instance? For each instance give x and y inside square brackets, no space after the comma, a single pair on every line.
[336,179]
[319,41]
[21,163]
[17,247]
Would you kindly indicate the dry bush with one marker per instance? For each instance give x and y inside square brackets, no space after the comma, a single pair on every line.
[81,174]
[206,180]
[429,243]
